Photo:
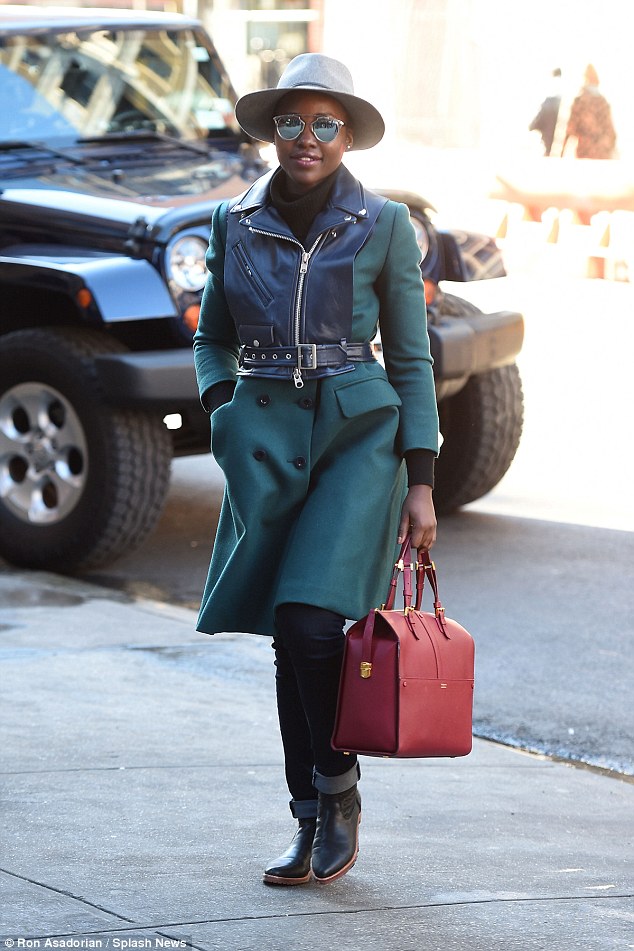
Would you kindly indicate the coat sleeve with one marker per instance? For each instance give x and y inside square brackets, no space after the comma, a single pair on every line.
[216,342]
[403,323]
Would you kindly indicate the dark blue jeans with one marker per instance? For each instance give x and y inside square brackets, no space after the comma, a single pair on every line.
[308,654]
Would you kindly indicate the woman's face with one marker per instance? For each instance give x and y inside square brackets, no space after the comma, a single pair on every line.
[306,160]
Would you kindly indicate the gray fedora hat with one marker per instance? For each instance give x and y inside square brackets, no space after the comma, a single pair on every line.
[314,72]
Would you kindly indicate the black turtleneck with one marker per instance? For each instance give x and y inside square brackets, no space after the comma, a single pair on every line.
[299,212]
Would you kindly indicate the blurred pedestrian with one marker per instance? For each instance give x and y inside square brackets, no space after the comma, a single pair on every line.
[545,121]
[309,429]
[590,121]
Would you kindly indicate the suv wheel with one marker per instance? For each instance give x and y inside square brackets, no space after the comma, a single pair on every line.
[481,427]
[80,481]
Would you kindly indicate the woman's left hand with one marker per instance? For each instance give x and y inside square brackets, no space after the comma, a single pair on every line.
[418,517]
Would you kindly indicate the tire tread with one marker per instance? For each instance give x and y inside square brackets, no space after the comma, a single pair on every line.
[139,452]
[482,427]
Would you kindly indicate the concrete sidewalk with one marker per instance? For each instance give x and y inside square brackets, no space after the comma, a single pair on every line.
[144,793]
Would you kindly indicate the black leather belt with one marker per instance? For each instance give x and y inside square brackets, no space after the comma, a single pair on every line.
[306,356]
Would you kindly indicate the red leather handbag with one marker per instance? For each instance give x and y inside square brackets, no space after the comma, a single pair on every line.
[406,686]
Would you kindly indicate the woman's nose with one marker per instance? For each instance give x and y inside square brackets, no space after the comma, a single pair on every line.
[307,135]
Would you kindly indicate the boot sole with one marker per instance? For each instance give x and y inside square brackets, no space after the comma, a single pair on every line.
[346,868]
[280,880]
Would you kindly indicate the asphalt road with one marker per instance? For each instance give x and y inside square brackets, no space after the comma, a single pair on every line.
[540,570]
[549,605]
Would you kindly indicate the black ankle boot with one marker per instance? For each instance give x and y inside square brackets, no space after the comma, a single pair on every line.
[293,866]
[336,844]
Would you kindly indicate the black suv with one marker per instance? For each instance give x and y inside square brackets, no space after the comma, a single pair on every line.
[117,139]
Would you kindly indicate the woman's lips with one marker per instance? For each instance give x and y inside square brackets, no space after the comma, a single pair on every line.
[305,159]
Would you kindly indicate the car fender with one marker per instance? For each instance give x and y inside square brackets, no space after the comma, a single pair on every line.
[105,276]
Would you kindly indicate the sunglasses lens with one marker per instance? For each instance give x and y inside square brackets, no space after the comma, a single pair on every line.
[325,129]
[289,127]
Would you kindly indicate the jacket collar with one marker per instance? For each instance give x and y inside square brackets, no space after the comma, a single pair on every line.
[347,196]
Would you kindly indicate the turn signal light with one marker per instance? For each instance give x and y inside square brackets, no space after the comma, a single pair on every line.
[190,317]
[430,291]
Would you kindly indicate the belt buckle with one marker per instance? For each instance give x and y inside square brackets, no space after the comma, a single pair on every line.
[313,356]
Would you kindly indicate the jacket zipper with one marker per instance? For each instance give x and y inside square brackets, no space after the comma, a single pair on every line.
[299,289]
[245,262]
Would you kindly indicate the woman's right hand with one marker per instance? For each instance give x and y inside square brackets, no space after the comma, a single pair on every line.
[418,517]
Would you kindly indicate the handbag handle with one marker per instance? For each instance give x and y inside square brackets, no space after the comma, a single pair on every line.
[424,567]
[404,564]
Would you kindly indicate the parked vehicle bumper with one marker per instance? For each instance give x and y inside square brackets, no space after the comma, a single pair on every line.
[471,345]
[156,378]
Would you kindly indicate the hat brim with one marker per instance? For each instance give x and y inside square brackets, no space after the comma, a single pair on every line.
[255,111]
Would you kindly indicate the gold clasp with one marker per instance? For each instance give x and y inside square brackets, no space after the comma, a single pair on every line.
[365,669]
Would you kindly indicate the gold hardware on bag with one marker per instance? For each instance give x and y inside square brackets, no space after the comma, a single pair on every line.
[365,669]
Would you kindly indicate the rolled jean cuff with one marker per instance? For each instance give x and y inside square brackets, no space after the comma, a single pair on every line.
[303,808]
[337,784]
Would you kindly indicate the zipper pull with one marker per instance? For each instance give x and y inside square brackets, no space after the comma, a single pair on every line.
[297,378]
[304,265]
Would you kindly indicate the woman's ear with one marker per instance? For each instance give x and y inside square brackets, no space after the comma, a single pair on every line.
[349,140]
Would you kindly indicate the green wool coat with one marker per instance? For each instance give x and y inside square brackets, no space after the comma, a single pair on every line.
[315,477]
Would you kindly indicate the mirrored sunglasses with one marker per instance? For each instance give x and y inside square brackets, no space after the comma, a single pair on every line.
[325,128]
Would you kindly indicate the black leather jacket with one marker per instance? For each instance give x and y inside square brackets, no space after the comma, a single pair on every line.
[287,297]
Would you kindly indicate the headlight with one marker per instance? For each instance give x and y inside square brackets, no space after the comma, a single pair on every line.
[421,235]
[429,244]
[186,262]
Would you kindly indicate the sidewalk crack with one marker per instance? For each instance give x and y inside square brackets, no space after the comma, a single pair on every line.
[67,894]
[157,926]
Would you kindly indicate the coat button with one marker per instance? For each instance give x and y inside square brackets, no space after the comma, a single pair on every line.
[260,455]
[264,400]
[306,402]
[299,463]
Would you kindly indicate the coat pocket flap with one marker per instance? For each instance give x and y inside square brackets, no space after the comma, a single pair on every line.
[256,335]
[363,396]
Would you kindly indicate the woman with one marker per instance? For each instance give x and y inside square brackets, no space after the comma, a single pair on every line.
[590,121]
[313,435]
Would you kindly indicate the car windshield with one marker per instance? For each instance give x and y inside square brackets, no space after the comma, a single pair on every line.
[86,84]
